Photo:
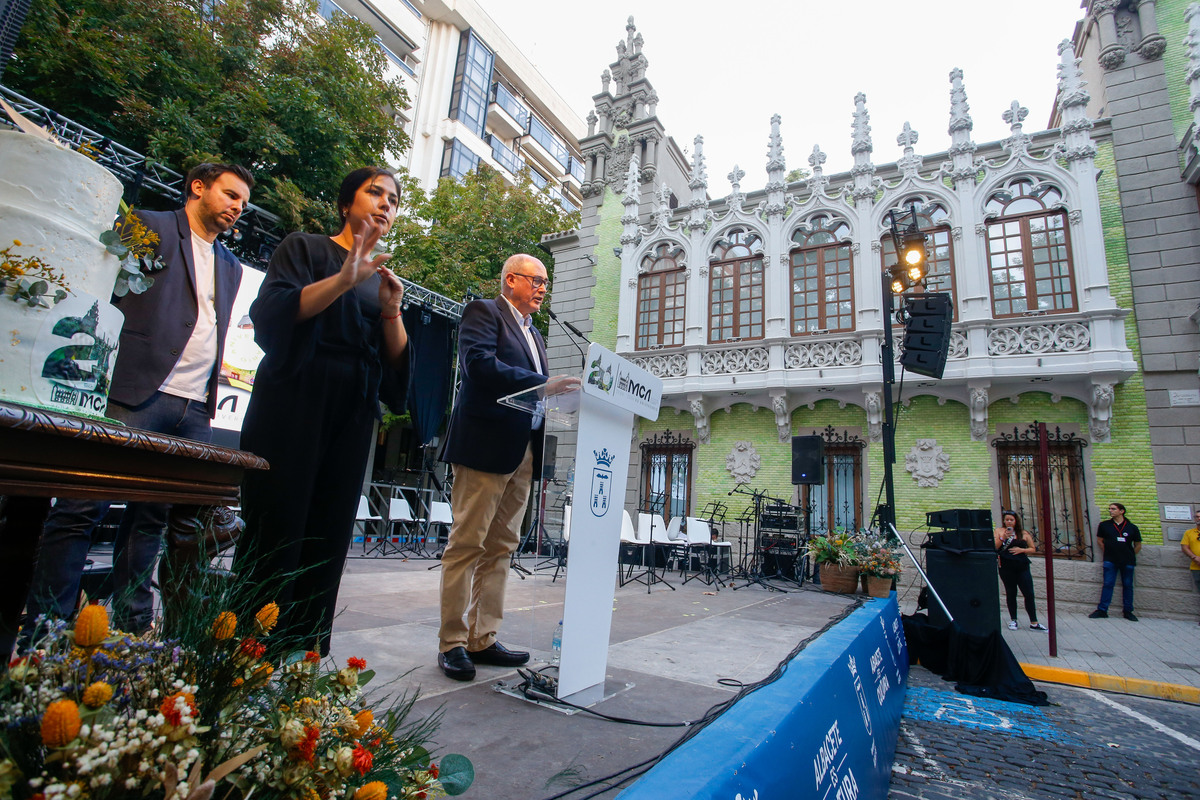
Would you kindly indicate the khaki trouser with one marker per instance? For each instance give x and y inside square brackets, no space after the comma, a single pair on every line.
[488,510]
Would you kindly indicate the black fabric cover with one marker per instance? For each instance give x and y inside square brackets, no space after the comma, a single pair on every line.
[982,666]
[429,393]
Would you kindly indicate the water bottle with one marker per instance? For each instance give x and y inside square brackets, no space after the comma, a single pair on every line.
[556,644]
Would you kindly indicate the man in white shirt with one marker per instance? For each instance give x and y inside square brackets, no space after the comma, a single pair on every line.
[164,380]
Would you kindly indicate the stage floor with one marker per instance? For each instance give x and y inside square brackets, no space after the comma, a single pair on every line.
[673,646]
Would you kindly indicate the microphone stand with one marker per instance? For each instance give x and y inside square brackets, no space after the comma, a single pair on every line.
[754,573]
[567,326]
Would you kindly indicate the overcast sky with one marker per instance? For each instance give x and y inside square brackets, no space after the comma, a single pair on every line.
[722,69]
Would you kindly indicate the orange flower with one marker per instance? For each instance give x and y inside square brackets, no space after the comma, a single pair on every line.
[312,658]
[365,720]
[60,723]
[91,626]
[170,707]
[224,626]
[308,745]
[97,694]
[252,647]
[356,663]
[362,760]
[267,617]
[434,770]
[375,790]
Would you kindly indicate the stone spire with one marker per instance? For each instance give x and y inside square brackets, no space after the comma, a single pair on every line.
[736,197]
[1192,43]
[1075,141]
[630,235]
[1017,142]
[818,182]
[863,170]
[660,218]
[910,162]
[962,167]
[776,169]
[698,212]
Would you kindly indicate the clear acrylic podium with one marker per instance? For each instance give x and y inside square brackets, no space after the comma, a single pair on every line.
[600,413]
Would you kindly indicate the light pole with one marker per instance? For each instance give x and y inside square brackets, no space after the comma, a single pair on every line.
[907,272]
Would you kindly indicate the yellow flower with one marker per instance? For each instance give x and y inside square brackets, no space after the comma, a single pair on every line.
[97,694]
[17,242]
[266,617]
[60,723]
[375,790]
[91,626]
[365,720]
[224,626]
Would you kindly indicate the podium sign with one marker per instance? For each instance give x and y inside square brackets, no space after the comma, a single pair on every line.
[601,412]
[614,390]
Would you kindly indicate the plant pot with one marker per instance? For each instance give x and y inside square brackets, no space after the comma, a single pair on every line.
[839,578]
[878,586]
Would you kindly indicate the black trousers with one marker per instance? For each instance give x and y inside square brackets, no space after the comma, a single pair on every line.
[1018,576]
[315,431]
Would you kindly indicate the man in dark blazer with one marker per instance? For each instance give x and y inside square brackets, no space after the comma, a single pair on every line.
[164,380]
[495,451]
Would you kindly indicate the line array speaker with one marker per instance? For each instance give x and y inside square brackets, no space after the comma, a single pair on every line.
[927,334]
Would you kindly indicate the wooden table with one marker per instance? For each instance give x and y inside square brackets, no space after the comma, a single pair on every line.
[45,454]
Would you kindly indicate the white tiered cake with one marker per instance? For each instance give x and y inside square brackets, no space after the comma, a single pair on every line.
[56,203]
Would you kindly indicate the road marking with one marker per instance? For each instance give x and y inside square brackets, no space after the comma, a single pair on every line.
[1153,723]
[983,713]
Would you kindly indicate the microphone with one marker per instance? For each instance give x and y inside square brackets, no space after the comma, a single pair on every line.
[734,489]
[571,329]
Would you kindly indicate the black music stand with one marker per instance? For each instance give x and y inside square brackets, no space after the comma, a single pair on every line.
[753,564]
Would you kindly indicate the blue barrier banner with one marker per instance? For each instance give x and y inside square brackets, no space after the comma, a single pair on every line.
[827,729]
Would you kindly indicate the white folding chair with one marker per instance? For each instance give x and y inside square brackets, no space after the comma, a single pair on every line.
[708,553]
[633,551]
[661,548]
[441,517]
[364,516]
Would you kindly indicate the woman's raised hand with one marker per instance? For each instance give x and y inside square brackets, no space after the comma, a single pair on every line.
[359,264]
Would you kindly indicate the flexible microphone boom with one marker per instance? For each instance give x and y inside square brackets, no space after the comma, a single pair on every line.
[571,329]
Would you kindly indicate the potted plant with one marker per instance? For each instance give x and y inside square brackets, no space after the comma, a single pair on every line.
[880,565]
[837,559]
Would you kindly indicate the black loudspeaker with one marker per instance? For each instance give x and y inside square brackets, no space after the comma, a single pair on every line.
[969,586]
[549,456]
[966,519]
[927,334]
[808,460]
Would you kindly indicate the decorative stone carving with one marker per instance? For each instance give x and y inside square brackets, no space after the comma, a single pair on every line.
[633,283]
[874,404]
[1017,142]
[979,413]
[842,353]
[743,462]
[618,164]
[927,463]
[1192,43]
[980,229]
[1076,217]
[959,346]
[866,185]
[701,418]
[732,362]
[1075,141]
[818,183]
[736,198]
[962,166]
[666,366]
[783,420]
[956,233]
[1100,412]
[1065,337]
[910,162]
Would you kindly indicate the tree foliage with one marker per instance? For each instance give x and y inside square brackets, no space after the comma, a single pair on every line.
[264,83]
[456,239]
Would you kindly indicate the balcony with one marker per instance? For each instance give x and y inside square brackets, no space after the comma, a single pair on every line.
[506,116]
[504,156]
[575,172]
[546,148]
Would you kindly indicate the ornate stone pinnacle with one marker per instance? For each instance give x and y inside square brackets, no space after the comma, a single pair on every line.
[907,138]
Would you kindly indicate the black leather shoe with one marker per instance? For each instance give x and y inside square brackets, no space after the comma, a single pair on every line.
[1098,614]
[1129,615]
[457,664]
[499,656]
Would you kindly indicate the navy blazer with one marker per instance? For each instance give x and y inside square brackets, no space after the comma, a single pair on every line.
[159,322]
[495,361]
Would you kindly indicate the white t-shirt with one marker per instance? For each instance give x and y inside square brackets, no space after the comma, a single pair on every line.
[190,376]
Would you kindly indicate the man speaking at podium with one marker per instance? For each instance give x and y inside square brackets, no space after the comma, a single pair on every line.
[494,450]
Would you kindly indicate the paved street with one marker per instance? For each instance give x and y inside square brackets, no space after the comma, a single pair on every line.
[1085,745]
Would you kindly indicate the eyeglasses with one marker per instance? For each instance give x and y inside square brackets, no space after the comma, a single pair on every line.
[537,281]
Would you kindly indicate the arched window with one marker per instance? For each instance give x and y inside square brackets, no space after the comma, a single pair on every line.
[934,222]
[1029,253]
[735,299]
[660,300]
[822,277]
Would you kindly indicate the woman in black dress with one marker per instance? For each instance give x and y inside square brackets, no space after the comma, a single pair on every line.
[1014,545]
[328,319]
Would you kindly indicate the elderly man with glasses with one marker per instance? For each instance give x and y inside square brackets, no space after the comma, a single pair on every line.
[494,451]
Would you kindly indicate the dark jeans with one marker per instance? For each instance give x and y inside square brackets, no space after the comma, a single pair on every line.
[67,535]
[1110,580]
[1018,576]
